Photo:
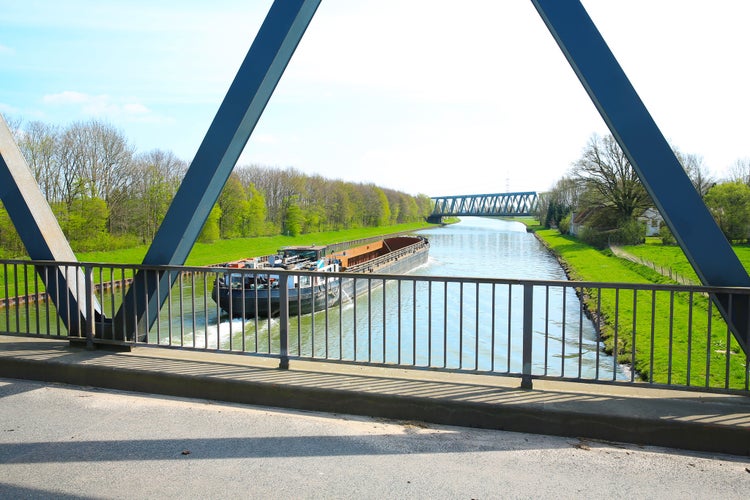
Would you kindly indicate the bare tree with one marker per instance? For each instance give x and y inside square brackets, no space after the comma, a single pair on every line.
[613,190]
[739,171]
[697,171]
[39,143]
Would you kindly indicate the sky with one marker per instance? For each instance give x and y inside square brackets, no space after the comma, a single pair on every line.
[433,97]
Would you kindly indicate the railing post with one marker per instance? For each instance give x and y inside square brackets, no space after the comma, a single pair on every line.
[283,322]
[528,337]
[89,304]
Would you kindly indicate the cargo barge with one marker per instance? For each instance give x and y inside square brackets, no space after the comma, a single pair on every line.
[252,287]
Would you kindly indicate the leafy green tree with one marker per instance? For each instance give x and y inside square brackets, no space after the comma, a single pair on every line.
[86,224]
[293,219]
[10,242]
[729,203]
[233,203]
[210,231]
[254,219]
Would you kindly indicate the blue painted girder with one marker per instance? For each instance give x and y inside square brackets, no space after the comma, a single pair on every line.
[217,155]
[631,124]
[42,236]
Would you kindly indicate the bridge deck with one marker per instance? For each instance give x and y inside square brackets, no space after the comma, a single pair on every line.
[679,419]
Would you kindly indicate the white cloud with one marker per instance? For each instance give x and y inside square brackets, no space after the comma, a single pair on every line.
[6,50]
[103,105]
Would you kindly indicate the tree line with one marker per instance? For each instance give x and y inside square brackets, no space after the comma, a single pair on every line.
[106,195]
[602,197]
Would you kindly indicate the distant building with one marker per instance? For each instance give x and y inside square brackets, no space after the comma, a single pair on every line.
[653,221]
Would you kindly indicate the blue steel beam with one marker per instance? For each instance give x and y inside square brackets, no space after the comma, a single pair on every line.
[652,158]
[41,235]
[217,155]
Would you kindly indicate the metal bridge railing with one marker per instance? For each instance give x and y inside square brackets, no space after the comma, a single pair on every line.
[655,334]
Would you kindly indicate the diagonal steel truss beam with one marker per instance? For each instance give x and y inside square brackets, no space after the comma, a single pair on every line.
[217,155]
[652,158]
[41,235]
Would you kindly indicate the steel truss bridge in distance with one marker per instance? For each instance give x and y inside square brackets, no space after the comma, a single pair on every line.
[495,205]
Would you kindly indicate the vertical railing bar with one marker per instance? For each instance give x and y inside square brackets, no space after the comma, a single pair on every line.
[369,320]
[101,298]
[747,356]
[217,280]
[653,336]
[398,322]
[690,337]
[633,339]
[616,347]
[598,327]
[46,301]
[384,321]
[112,297]
[193,317]
[564,325]
[283,321]
[708,343]
[122,298]
[7,296]
[205,307]
[70,325]
[36,301]
[445,324]
[528,336]
[671,337]
[492,327]
[269,315]
[180,283]
[299,308]
[26,294]
[546,329]
[341,317]
[414,322]
[580,335]
[313,286]
[354,304]
[230,326]
[461,326]
[510,331]
[158,313]
[728,344]
[89,302]
[429,323]
[255,312]
[79,316]
[476,330]
[243,315]
[326,289]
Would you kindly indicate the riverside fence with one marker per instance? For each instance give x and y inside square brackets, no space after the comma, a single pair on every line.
[658,335]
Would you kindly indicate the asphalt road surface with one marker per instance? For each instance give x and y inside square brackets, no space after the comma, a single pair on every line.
[59,441]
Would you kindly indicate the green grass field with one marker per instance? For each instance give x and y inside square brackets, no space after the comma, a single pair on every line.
[638,326]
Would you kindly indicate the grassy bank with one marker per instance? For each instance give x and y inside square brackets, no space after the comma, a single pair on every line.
[638,322]
[674,258]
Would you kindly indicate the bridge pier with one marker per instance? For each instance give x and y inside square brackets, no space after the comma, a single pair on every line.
[435,219]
